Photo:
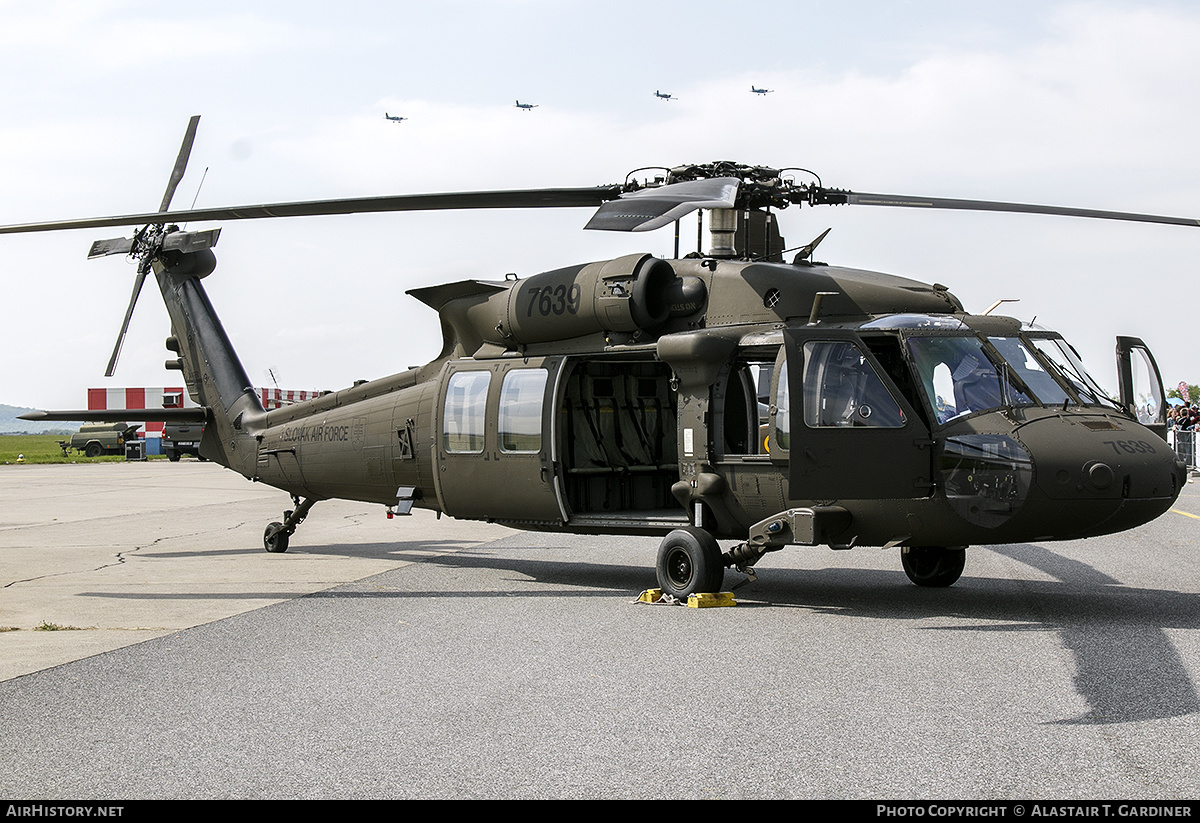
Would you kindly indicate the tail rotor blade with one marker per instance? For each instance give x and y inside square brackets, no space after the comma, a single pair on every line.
[137,289]
[104,248]
[181,162]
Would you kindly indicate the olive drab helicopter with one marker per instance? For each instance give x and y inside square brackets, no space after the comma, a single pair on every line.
[729,394]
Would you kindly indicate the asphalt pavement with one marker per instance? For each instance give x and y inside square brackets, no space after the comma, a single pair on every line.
[426,658]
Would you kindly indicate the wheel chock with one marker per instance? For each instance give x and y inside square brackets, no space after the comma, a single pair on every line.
[695,601]
[708,601]
[650,596]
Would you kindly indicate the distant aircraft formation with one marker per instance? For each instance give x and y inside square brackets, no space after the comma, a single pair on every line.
[661,95]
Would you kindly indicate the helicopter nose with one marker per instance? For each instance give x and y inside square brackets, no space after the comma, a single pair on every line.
[1147,475]
[1102,476]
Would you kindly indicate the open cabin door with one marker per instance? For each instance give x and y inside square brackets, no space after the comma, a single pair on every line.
[495,452]
[618,437]
[1141,385]
[852,434]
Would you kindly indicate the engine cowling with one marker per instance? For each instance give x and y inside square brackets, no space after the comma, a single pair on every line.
[623,295]
[635,293]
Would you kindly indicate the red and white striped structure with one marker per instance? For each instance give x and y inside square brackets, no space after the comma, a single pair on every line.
[176,398]
[275,398]
[140,398]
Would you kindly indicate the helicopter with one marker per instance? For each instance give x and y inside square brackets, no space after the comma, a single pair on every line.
[744,392]
[525,106]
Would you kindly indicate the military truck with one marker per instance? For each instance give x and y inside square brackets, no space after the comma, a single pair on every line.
[95,439]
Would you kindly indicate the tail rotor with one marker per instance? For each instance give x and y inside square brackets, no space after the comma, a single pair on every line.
[153,239]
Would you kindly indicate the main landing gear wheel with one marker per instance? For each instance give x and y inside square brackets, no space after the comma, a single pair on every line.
[275,538]
[933,566]
[689,562]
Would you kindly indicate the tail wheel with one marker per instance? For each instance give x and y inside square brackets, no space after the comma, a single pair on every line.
[275,538]
[689,562]
[933,566]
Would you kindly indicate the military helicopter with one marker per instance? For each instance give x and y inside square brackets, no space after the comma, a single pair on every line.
[726,394]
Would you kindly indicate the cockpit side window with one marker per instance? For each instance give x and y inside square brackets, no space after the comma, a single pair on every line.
[890,354]
[842,389]
[783,409]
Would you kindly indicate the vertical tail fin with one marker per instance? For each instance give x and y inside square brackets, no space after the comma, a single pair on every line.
[212,372]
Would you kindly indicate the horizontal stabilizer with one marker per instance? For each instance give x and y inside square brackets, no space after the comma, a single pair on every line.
[192,415]
[437,296]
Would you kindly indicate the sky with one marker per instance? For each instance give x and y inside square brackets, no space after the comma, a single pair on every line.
[1085,104]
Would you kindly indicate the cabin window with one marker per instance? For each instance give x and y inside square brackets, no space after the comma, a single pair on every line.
[463,415]
[520,423]
[842,389]
[745,405]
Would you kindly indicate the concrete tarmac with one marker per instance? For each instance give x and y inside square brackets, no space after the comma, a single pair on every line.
[419,658]
[94,557]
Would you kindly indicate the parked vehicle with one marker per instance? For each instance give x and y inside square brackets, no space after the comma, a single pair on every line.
[95,439]
[178,440]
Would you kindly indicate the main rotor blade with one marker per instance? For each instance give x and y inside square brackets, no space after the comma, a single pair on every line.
[905,201]
[649,209]
[191,414]
[513,199]
[181,162]
[137,289]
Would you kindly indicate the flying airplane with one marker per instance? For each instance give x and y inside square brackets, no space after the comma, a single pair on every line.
[394,119]
[526,106]
[760,91]
[728,394]
[662,95]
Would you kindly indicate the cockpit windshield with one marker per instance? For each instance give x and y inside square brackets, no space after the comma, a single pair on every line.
[965,374]
[959,377]
[1069,368]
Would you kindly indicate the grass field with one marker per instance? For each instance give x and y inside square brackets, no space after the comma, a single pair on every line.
[44,448]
